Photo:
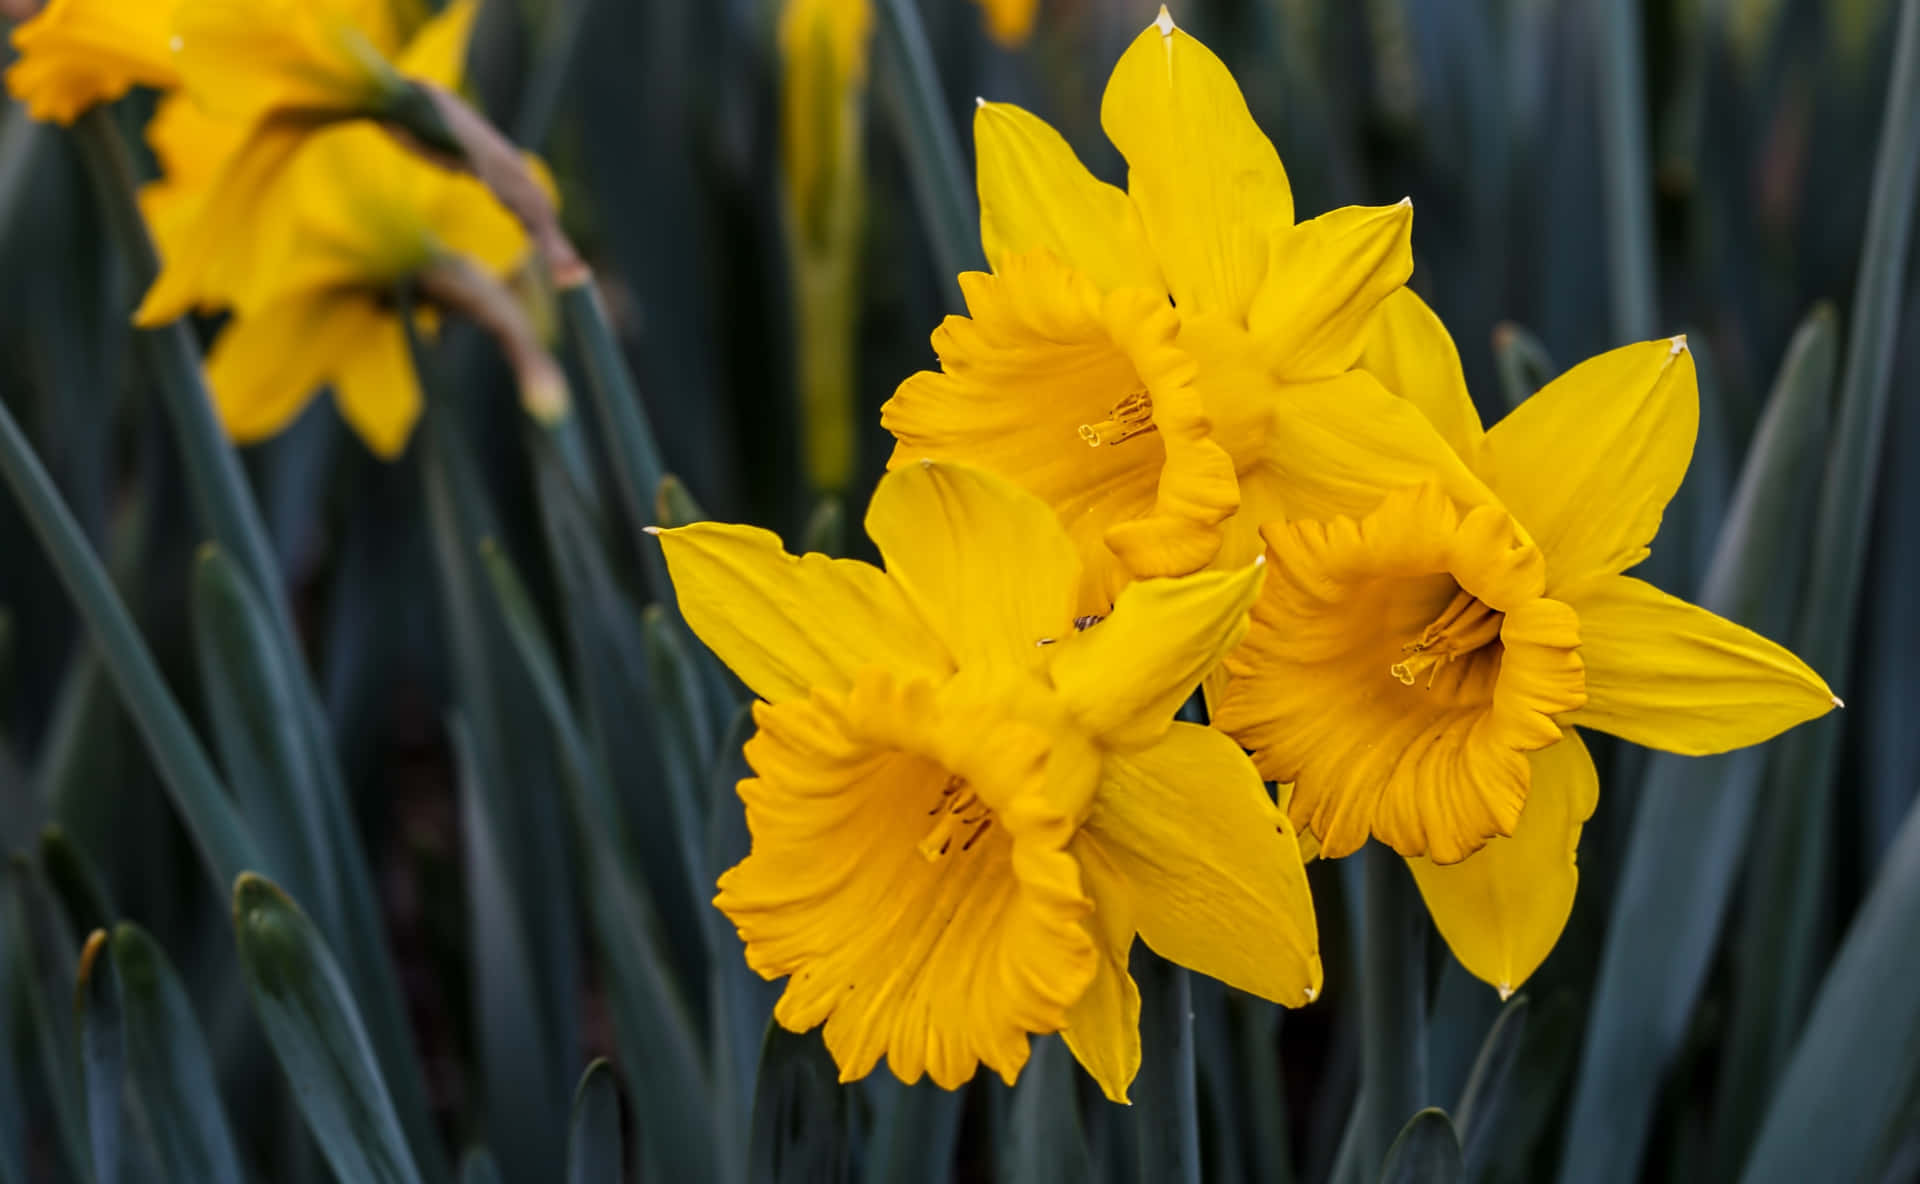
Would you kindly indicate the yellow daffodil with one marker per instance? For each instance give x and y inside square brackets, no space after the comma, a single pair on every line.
[365,216]
[824,47]
[263,75]
[1418,669]
[966,804]
[76,53]
[1010,21]
[1161,363]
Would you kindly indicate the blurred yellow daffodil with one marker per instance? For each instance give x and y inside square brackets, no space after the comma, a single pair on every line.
[1417,670]
[1010,21]
[261,78]
[364,216]
[824,47]
[966,804]
[1169,365]
[76,53]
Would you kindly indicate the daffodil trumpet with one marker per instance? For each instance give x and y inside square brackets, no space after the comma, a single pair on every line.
[966,804]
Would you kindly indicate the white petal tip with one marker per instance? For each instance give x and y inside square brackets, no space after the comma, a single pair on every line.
[1838,701]
[1259,560]
[176,43]
[1678,344]
[1312,994]
[1406,201]
[1165,22]
[979,101]
[1506,991]
[651,529]
[926,462]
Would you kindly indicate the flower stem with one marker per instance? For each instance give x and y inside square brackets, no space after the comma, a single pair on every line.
[1393,1001]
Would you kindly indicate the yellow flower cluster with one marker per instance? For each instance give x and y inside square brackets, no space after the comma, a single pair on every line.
[281,201]
[1183,440]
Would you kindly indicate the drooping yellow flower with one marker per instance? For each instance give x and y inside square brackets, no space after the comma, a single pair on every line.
[966,804]
[824,47]
[1417,668]
[76,53]
[1010,21]
[365,215]
[1160,363]
[263,77]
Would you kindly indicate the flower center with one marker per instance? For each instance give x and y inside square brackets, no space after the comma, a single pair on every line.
[1465,625]
[958,810]
[1130,417]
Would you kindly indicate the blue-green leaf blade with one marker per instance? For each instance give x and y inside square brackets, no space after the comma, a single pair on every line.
[168,1065]
[799,1131]
[593,1135]
[1427,1151]
[311,1022]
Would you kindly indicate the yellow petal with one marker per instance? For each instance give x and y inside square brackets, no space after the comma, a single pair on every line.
[438,52]
[1325,277]
[1502,908]
[1103,1028]
[986,563]
[1212,867]
[1126,676]
[1589,463]
[267,364]
[1042,363]
[1338,446]
[1671,675]
[202,261]
[786,624]
[1209,185]
[1035,193]
[377,389]
[1413,355]
[246,59]
[76,53]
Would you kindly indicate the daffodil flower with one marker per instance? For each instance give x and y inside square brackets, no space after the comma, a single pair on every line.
[966,803]
[1160,363]
[365,215]
[262,76]
[75,54]
[1011,21]
[1418,668]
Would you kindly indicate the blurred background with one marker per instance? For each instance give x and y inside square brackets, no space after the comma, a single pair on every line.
[1584,173]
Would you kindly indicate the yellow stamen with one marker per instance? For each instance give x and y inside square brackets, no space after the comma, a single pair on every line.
[1129,418]
[1465,625]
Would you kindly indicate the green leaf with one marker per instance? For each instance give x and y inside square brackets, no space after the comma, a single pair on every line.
[1534,1086]
[799,1131]
[1165,1113]
[257,730]
[43,951]
[670,1082]
[742,1001]
[624,428]
[168,1065]
[915,1129]
[477,1167]
[1393,1001]
[75,881]
[1426,1152]
[1839,1109]
[684,733]
[103,1056]
[593,1136]
[1691,826]
[826,529]
[911,94]
[1524,364]
[1788,907]
[1626,162]
[1485,1093]
[1046,1142]
[674,506]
[310,1019]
